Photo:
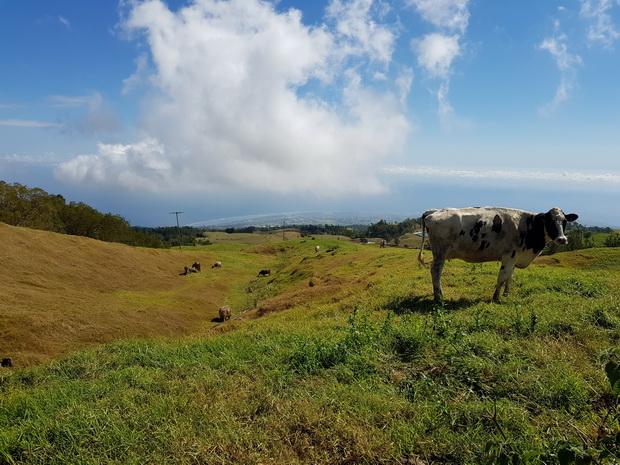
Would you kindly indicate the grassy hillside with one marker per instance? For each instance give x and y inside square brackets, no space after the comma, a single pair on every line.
[60,293]
[342,357]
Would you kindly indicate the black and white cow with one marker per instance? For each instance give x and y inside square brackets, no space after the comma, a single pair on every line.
[514,237]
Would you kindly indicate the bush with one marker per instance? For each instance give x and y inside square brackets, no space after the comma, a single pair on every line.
[613,240]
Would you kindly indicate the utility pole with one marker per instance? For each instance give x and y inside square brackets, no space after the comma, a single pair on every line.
[178,227]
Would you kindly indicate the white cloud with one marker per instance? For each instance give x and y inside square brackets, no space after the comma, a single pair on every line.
[25,123]
[232,106]
[446,14]
[521,175]
[361,34]
[566,63]
[64,21]
[403,82]
[436,52]
[141,166]
[602,31]
[48,158]
[558,48]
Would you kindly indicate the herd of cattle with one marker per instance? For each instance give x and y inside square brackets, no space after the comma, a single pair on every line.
[478,234]
[224,312]
[481,234]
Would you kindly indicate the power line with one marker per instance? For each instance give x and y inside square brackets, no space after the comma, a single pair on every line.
[178,227]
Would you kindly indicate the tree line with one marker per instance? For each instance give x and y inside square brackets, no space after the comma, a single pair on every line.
[34,208]
[173,236]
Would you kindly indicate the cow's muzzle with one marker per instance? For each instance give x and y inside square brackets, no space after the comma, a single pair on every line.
[562,240]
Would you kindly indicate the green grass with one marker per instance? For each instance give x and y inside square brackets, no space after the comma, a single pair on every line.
[359,367]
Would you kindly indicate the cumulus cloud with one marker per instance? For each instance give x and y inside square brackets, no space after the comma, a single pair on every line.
[232,101]
[602,31]
[566,63]
[361,34]
[446,14]
[436,52]
[141,166]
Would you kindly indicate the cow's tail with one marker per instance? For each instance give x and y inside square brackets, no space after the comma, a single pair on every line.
[420,255]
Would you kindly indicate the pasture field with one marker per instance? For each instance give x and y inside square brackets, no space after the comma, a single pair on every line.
[258,237]
[338,357]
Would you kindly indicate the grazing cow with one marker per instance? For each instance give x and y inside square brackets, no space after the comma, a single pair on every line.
[264,273]
[217,265]
[7,362]
[317,248]
[224,313]
[187,270]
[196,266]
[514,237]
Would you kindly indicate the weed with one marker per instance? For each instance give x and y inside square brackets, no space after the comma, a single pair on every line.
[524,326]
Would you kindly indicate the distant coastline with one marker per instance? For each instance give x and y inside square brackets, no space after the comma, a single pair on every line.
[290,218]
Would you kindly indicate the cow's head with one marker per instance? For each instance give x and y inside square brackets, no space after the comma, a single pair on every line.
[555,224]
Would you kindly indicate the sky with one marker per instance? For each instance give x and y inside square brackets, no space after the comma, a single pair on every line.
[221,108]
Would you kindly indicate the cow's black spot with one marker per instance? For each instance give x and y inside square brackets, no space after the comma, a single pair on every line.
[551,227]
[502,267]
[497,224]
[514,252]
[483,245]
[477,227]
[535,236]
[462,233]
[474,238]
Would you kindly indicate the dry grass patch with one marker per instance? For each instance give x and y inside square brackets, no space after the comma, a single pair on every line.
[60,293]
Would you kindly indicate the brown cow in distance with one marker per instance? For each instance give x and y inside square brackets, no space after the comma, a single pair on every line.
[264,273]
[224,313]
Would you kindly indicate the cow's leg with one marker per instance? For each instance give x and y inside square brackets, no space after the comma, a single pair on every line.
[509,282]
[436,269]
[504,278]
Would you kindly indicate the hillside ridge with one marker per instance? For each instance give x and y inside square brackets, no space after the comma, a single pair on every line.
[60,293]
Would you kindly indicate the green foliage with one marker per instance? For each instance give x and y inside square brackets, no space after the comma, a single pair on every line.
[613,240]
[31,208]
[611,359]
[392,231]
[36,209]
[578,238]
[172,236]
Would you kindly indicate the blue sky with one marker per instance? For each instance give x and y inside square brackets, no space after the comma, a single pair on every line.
[222,108]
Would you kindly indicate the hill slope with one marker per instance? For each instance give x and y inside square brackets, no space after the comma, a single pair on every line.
[353,362]
[60,293]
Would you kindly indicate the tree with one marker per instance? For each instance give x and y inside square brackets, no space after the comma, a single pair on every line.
[35,208]
[613,240]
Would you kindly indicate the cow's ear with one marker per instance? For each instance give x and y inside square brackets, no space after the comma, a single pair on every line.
[571,217]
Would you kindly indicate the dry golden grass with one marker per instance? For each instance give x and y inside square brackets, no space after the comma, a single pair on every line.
[59,293]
